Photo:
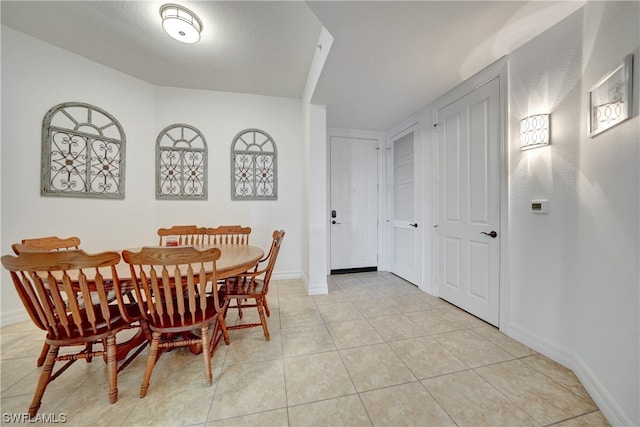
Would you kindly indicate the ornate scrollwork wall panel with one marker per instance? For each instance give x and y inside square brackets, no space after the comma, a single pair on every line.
[83,152]
[254,166]
[181,163]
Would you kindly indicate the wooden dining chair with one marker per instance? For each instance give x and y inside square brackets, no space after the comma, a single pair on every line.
[51,243]
[184,235]
[65,294]
[228,234]
[254,285]
[173,288]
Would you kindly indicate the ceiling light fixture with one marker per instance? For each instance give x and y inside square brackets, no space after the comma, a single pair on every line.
[180,23]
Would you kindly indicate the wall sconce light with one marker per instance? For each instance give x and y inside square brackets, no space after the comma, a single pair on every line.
[180,23]
[534,131]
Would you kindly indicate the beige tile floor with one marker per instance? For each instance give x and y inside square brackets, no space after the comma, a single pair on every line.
[375,351]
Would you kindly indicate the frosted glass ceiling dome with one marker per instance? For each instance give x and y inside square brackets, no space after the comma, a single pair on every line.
[181,23]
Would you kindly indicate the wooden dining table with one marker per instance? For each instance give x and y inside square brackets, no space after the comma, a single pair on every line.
[234,259]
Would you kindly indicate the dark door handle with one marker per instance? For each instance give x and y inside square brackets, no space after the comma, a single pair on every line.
[335,222]
[414,225]
[493,234]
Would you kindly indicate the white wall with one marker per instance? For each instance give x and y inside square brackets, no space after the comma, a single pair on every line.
[606,278]
[571,279]
[37,76]
[574,272]
[317,206]
[220,116]
[544,77]
[314,177]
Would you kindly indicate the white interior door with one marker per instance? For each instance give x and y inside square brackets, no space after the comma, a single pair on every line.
[405,250]
[354,203]
[469,202]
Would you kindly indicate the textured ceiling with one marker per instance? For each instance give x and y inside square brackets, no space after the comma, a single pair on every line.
[253,47]
[391,59]
[388,60]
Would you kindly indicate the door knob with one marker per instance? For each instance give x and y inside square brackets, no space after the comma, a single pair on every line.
[414,225]
[493,234]
[334,222]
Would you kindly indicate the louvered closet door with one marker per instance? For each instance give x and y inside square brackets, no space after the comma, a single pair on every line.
[405,244]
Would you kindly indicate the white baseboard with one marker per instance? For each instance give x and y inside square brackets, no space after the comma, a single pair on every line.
[315,289]
[312,289]
[14,316]
[285,275]
[305,281]
[546,348]
[318,289]
[608,406]
[598,392]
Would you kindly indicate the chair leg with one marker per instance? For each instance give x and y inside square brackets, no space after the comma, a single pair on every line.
[43,354]
[45,377]
[89,348]
[146,330]
[263,319]
[266,307]
[217,334]
[223,326]
[226,308]
[239,286]
[239,308]
[151,361]
[112,368]
[206,351]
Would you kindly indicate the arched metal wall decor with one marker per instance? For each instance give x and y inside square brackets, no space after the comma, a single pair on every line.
[83,152]
[181,163]
[254,166]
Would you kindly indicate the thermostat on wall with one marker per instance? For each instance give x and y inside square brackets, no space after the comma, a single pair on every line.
[540,206]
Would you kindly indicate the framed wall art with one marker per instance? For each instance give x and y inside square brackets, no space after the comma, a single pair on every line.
[610,98]
[254,166]
[181,163]
[83,152]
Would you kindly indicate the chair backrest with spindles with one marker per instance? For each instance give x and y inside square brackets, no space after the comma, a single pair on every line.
[174,286]
[229,234]
[272,256]
[66,290]
[50,243]
[185,234]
